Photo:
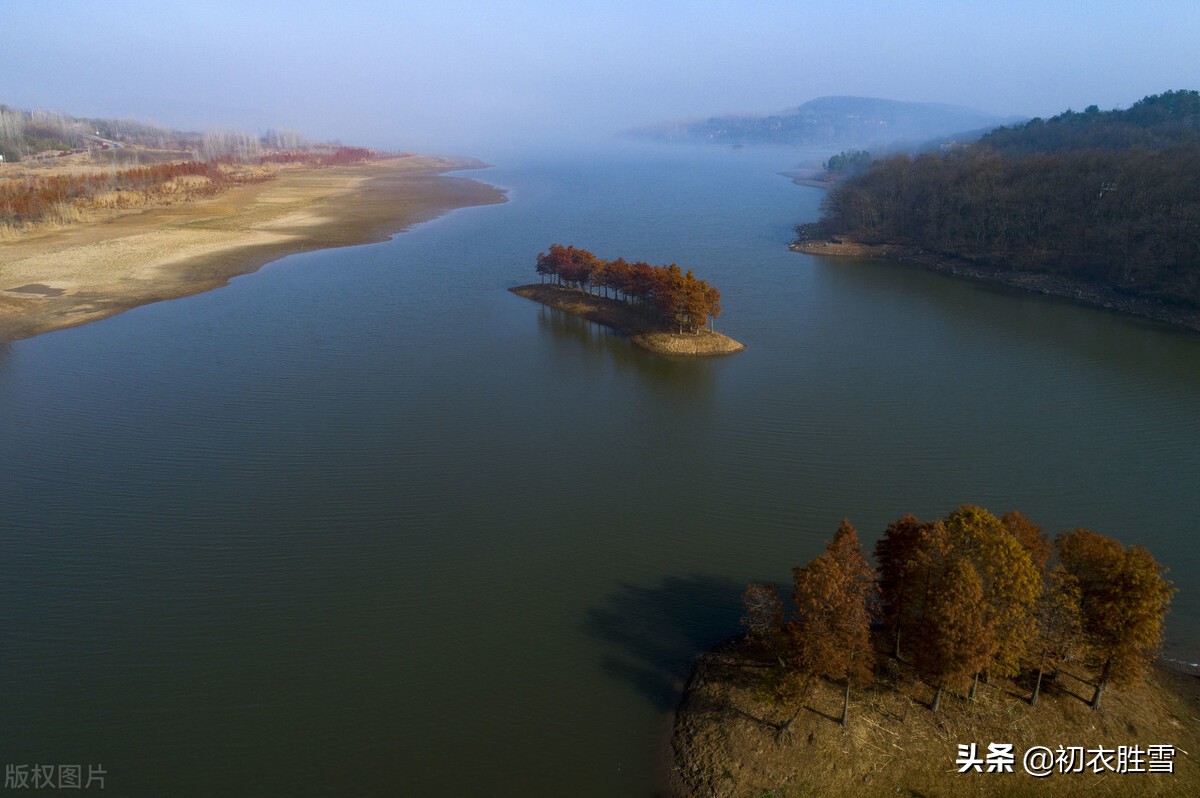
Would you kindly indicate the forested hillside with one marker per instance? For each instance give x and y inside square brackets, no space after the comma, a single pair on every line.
[1106,197]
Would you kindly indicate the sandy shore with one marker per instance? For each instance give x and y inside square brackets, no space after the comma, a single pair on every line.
[624,319]
[77,274]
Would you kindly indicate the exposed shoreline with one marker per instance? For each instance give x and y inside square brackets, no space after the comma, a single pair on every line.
[812,179]
[725,737]
[628,321]
[69,276]
[1078,291]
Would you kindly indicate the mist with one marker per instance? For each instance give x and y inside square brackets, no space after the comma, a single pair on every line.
[463,77]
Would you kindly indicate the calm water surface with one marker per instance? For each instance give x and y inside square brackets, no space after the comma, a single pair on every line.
[364,523]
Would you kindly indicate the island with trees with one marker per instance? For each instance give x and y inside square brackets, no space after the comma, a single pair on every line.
[1099,207]
[661,308]
[970,632]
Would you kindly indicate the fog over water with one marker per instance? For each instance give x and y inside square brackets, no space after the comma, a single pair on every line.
[462,76]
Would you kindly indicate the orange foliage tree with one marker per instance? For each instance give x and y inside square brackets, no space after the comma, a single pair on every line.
[832,626]
[968,594]
[1123,601]
[899,591]
[677,298]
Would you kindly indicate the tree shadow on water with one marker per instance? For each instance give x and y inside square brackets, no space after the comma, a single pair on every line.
[654,633]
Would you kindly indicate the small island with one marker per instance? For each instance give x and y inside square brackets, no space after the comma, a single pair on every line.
[976,641]
[661,308]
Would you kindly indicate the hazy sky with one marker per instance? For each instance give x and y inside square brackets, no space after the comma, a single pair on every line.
[443,75]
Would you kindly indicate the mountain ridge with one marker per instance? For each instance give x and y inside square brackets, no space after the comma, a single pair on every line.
[835,121]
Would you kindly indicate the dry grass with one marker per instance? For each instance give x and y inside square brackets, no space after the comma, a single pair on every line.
[130,256]
[727,742]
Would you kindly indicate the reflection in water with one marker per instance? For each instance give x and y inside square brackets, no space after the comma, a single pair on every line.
[593,337]
[472,524]
[602,347]
[1020,318]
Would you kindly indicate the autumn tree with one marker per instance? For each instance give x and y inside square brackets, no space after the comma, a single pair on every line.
[1011,582]
[898,593]
[831,628]
[1030,536]
[554,262]
[1058,624]
[1123,599]
[955,639]
[763,618]
[679,298]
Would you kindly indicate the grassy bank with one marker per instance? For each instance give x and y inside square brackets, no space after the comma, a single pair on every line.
[727,739]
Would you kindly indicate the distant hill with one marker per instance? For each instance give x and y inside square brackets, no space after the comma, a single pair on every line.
[836,122]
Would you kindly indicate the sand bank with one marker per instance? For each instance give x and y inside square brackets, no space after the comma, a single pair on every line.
[84,272]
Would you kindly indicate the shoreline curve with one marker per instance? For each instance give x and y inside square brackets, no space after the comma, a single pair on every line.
[66,277]
[1077,291]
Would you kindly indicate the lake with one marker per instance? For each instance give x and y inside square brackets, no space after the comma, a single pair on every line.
[365,523]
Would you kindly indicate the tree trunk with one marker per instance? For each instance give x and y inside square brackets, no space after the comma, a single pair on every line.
[846,704]
[1100,685]
[974,687]
[937,697]
[1037,686]
[896,643]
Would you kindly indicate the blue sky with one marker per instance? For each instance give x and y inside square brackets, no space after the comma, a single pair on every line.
[443,75]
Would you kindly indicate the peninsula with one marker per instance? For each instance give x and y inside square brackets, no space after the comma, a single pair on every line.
[127,224]
[732,737]
[660,308]
[974,642]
